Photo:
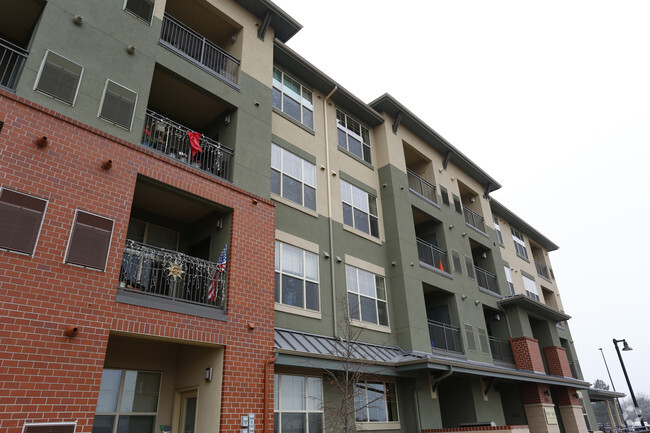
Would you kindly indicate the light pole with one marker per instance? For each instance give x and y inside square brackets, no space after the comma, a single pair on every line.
[620,411]
[629,385]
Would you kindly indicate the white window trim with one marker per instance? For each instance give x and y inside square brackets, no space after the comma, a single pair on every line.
[304,279]
[368,214]
[101,104]
[530,285]
[356,136]
[380,425]
[40,71]
[58,423]
[302,181]
[110,241]
[511,285]
[302,86]
[497,228]
[40,227]
[361,323]
[306,411]
[153,13]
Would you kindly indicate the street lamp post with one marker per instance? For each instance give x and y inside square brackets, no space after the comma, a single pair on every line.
[620,411]
[629,385]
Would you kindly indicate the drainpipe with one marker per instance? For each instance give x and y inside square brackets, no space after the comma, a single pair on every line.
[329,209]
[267,364]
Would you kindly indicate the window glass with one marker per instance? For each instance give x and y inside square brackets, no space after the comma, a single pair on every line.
[21,217]
[366,296]
[298,406]
[296,277]
[290,97]
[359,209]
[375,402]
[293,177]
[353,137]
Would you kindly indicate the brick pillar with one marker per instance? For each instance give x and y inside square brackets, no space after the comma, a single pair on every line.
[557,361]
[539,407]
[570,410]
[527,354]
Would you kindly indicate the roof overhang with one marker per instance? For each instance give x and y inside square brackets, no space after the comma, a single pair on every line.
[283,24]
[293,63]
[534,306]
[389,105]
[522,226]
[603,395]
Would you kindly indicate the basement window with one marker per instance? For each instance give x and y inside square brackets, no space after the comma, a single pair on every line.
[21,218]
[142,9]
[59,78]
[90,241]
[118,104]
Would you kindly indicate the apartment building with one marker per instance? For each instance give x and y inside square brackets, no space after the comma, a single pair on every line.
[163,160]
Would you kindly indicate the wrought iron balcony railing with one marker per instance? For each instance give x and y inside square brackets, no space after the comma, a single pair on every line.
[421,187]
[432,256]
[12,59]
[542,270]
[195,48]
[486,280]
[444,336]
[501,350]
[172,139]
[473,219]
[170,274]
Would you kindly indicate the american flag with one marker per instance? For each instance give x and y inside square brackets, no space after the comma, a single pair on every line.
[221,268]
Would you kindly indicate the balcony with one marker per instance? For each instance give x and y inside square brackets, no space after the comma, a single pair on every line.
[473,219]
[421,187]
[542,270]
[432,256]
[486,280]
[171,275]
[196,49]
[444,336]
[12,59]
[172,139]
[501,350]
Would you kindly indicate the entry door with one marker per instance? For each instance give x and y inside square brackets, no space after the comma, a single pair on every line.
[188,411]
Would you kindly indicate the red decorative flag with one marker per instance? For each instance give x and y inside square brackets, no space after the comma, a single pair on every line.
[194,142]
[442,268]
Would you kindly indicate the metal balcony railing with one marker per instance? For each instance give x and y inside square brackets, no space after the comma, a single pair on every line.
[473,219]
[420,186]
[171,139]
[432,256]
[542,270]
[486,280]
[12,59]
[444,336]
[170,274]
[184,41]
[501,350]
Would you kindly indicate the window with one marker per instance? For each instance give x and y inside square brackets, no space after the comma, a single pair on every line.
[455,258]
[21,217]
[296,277]
[59,77]
[520,244]
[497,227]
[298,404]
[127,402]
[366,296]
[292,177]
[444,195]
[292,98]
[89,241]
[359,209]
[469,336]
[457,205]
[511,286]
[375,402]
[353,137]
[142,9]
[118,104]
[531,288]
[469,264]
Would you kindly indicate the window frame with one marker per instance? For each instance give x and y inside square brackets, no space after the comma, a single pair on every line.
[444,195]
[72,232]
[368,213]
[304,185]
[301,103]
[520,243]
[40,73]
[304,279]
[358,317]
[497,228]
[511,285]
[278,410]
[359,137]
[101,105]
[529,284]
[384,399]
[40,225]
[129,11]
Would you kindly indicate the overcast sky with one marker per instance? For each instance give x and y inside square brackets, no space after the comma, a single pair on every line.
[552,99]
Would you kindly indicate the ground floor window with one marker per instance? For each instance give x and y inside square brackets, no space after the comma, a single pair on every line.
[298,406]
[127,402]
[376,402]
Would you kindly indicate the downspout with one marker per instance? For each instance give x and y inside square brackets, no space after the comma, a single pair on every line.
[267,364]
[329,209]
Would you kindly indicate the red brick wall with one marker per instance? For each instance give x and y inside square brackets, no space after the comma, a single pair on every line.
[532,393]
[45,376]
[527,354]
[566,396]
[557,361]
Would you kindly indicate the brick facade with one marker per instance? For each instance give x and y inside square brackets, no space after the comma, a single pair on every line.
[47,377]
[527,354]
[557,361]
[533,393]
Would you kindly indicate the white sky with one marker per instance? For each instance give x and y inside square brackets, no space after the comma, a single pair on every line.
[552,99]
